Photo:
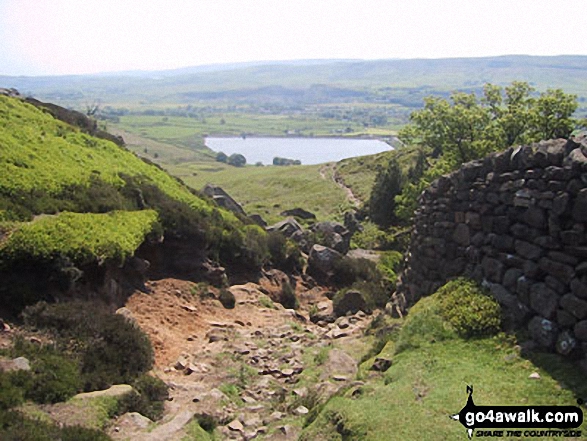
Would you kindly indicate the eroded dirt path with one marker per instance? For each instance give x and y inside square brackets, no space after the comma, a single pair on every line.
[256,369]
[328,172]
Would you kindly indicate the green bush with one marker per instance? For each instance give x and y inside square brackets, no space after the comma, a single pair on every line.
[283,252]
[148,399]
[424,324]
[111,349]
[470,310]
[54,375]
[458,309]
[287,297]
[227,298]
[14,426]
[11,394]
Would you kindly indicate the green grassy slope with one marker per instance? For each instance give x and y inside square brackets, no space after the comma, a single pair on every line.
[49,167]
[270,190]
[432,365]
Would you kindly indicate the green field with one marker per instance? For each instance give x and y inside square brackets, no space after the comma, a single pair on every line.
[269,190]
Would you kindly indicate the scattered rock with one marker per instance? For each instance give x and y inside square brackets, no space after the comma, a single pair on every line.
[381,364]
[134,419]
[301,410]
[223,199]
[16,364]
[235,426]
[351,301]
[299,212]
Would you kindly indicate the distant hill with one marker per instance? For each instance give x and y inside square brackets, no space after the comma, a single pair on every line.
[379,80]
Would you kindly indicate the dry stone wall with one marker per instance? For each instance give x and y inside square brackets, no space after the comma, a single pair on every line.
[515,221]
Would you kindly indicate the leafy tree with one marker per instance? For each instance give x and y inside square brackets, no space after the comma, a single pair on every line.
[388,184]
[466,127]
[237,160]
[221,157]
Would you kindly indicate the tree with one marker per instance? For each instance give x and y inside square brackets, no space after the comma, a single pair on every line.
[237,160]
[388,184]
[221,157]
[465,128]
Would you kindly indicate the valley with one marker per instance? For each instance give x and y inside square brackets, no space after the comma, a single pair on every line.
[152,291]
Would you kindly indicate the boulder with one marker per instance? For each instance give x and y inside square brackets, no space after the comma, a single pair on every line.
[543,331]
[258,219]
[332,235]
[322,261]
[381,364]
[299,212]
[350,301]
[288,227]
[16,364]
[223,199]
[543,300]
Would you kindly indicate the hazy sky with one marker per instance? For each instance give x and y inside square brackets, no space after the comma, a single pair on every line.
[87,36]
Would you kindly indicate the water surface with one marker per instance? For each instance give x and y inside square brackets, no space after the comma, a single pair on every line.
[307,150]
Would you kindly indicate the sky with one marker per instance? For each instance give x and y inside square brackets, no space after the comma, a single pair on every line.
[57,37]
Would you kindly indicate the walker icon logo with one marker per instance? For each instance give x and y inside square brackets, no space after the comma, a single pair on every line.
[519,417]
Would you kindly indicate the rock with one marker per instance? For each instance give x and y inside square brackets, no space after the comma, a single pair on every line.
[565,343]
[197,368]
[528,250]
[543,331]
[580,206]
[332,235]
[493,269]
[189,308]
[258,220]
[301,392]
[253,422]
[223,199]
[534,376]
[543,300]
[338,377]
[340,363]
[16,364]
[574,305]
[461,235]
[580,330]
[181,363]
[301,411]
[134,419]
[4,327]
[351,301]
[275,416]
[288,227]
[322,261]
[381,364]
[235,426]
[299,212]
[127,314]
[561,271]
[213,273]
[216,335]
[286,373]
[116,391]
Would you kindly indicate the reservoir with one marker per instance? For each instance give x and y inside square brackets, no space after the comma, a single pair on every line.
[307,150]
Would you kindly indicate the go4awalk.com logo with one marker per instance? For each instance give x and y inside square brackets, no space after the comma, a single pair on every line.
[519,421]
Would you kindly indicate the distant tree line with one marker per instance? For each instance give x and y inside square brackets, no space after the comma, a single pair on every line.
[285,161]
[236,159]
